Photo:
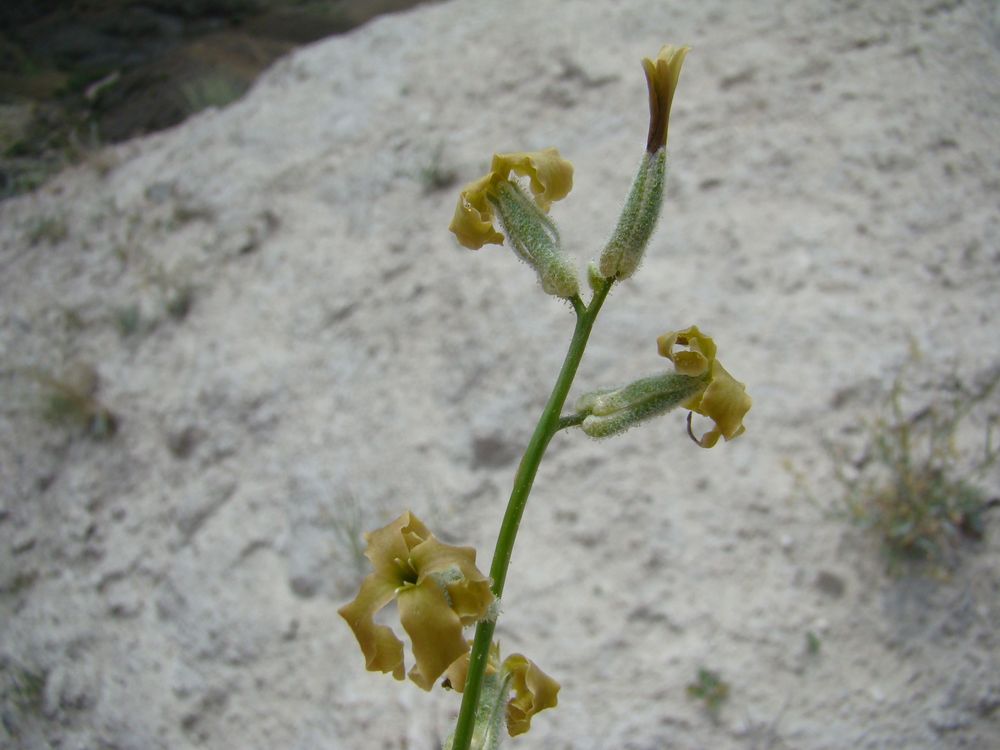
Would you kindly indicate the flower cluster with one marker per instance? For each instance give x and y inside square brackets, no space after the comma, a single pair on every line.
[438,591]
[437,588]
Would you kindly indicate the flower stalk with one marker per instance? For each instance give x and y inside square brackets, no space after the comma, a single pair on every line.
[548,425]
[437,588]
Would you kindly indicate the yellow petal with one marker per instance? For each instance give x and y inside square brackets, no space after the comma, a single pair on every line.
[473,220]
[695,361]
[551,176]
[382,649]
[438,589]
[393,542]
[389,550]
[725,402]
[458,672]
[662,75]
[534,691]
[435,630]
[724,399]
[468,589]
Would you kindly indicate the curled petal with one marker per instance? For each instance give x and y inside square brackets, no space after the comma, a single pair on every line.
[455,569]
[382,649]
[551,176]
[392,543]
[389,552]
[700,353]
[725,402]
[435,630]
[662,75]
[534,691]
[473,220]
[724,399]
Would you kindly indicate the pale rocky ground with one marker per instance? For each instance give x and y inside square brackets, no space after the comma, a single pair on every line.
[833,198]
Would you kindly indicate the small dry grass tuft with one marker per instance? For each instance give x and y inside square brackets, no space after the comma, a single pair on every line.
[913,487]
[711,689]
[72,400]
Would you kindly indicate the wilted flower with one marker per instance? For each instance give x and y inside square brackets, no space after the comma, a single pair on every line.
[724,400]
[661,78]
[438,591]
[550,178]
[533,690]
[623,253]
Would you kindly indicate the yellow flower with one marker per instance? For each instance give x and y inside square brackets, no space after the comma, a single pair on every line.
[724,400]
[534,690]
[438,591]
[661,79]
[550,178]
[473,220]
[694,361]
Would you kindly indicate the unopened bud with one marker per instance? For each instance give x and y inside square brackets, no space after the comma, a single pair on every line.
[594,279]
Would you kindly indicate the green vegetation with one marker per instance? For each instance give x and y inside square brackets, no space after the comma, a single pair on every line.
[813,643]
[72,400]
[710,688]
[434,176]
[21,693]
[49,230]
[211,90]
[913,488]
[129,320]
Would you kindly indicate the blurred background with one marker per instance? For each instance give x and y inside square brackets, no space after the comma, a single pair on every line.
[76,74]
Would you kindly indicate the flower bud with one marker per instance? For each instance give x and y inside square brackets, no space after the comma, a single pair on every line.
[594,279]
[662,75]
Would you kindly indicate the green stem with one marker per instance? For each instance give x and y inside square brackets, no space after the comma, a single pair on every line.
[548,424]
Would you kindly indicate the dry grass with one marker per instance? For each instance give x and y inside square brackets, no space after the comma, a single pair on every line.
[917,491]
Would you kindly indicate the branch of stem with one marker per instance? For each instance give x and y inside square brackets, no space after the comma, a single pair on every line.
[570,420]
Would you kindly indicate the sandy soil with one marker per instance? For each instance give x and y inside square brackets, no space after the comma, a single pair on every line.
[833,198]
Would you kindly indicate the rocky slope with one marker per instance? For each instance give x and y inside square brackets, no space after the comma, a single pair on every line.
[295,350]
